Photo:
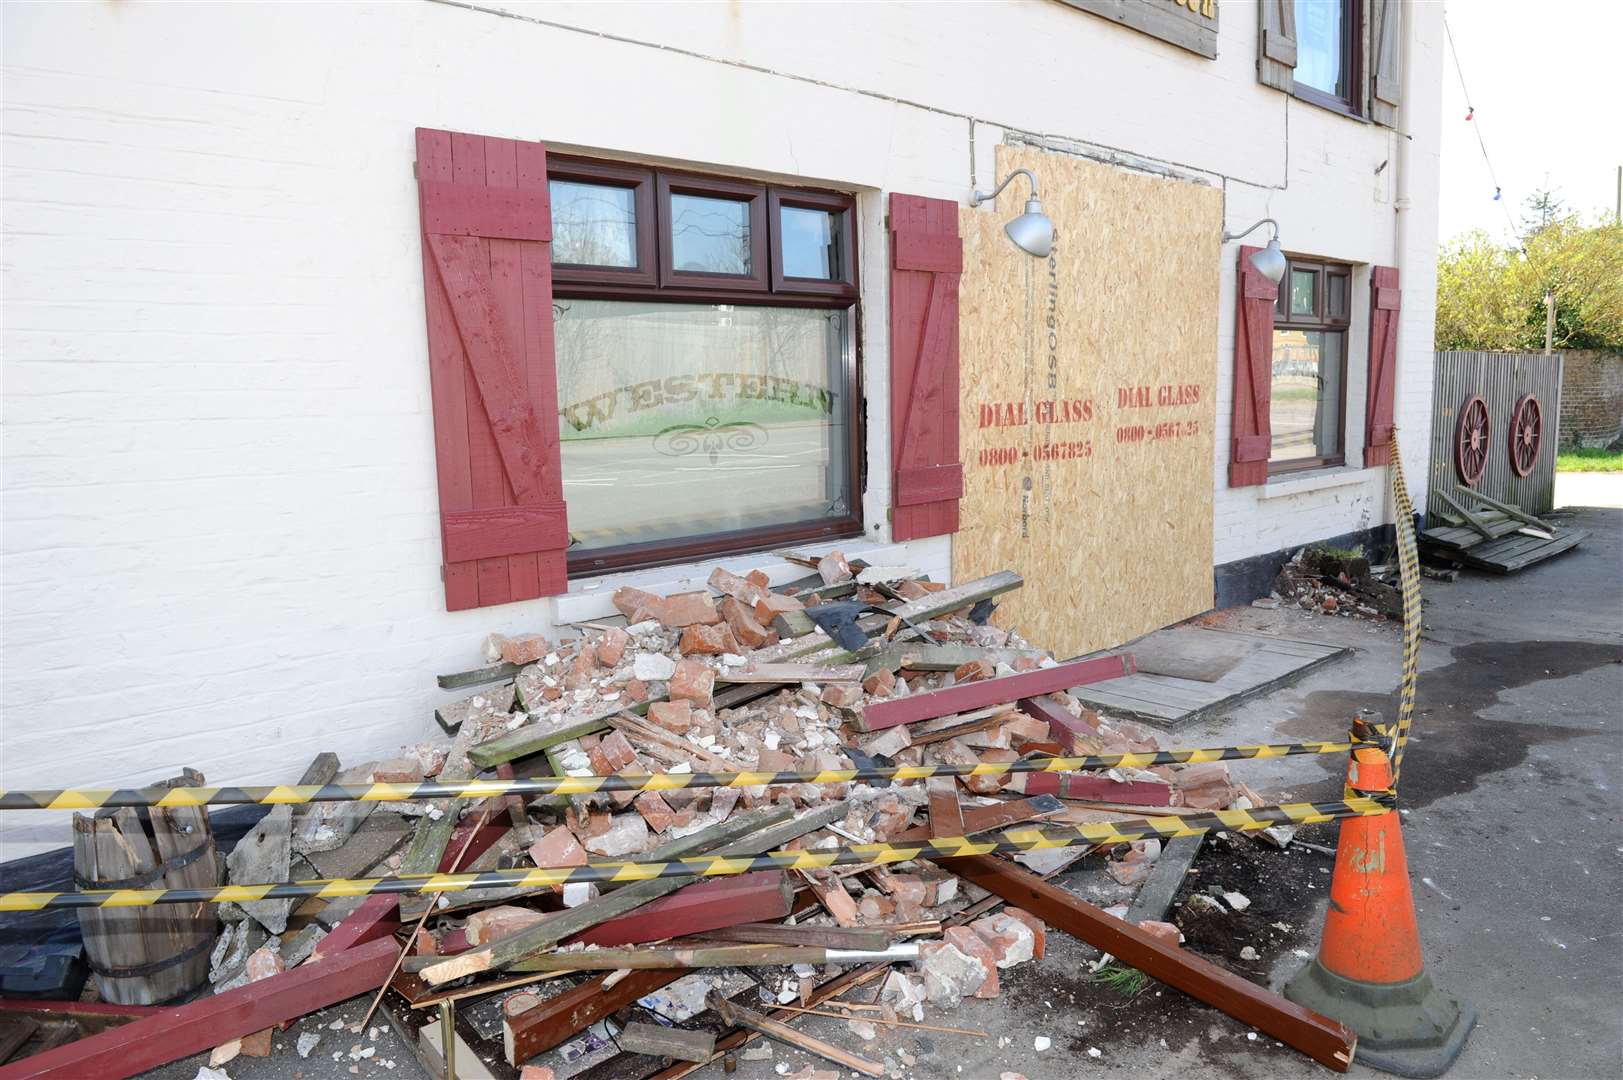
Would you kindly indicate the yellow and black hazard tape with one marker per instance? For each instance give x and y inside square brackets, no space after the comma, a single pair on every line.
[1409,579]
[75,799]
[1011,841]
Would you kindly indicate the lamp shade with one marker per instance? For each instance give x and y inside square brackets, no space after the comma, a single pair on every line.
[1032,232]
[1270,261]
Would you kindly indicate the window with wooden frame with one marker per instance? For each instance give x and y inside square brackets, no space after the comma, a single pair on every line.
[707,374]
[1329,53]
[1308,392]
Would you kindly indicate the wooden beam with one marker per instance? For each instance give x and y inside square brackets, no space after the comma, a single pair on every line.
[174,1033]
[376,917]
[979,819]
[1470,517]
[1062,726]
[699,908]
[560,1018]
[1320,1038]
[656,1041]
[1166,875]
[828,937]
[974,695]
[1506,509]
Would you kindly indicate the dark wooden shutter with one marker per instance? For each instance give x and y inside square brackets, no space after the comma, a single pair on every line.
[927,257]
[487,283]
[1386,65]
[1384,304]
[1251,436]
[1276,44]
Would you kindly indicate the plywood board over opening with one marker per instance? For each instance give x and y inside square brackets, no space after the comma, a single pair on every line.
[1088,404]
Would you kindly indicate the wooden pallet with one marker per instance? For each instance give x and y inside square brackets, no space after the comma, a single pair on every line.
[1509,554]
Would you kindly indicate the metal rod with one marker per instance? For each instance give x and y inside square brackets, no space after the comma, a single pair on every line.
[448,1036]
[1227,236]
[980,198]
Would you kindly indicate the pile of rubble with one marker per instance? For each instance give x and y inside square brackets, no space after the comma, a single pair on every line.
[743,678]
[1325,581]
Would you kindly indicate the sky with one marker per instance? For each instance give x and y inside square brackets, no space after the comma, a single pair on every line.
[1544,81]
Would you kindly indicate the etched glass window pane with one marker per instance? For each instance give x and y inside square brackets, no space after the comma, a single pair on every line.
[1302,291]
[810,243]
[710,236]
[593,224]
[689,419]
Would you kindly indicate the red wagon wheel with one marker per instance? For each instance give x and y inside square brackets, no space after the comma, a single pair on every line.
[1526,434]
[1471,440]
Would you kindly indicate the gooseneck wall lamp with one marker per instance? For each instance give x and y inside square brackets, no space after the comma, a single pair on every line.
[1031,232]
[1270,261]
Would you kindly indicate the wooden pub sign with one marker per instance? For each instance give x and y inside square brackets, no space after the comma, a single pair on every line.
[1188,24]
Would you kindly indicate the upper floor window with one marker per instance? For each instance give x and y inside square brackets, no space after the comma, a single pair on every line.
[1308,399]
[1327,53]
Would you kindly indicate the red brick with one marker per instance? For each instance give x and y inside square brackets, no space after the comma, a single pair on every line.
[559,847]
[524,649]
[655,810]
[774,604]
[758,577]
[693,682]
[842,695]
[612,647]
[1038,929]
[686,609]
[970,944]
[708,640]
[730,584]
[617,750]
[745,627]
[881,683]
[1163,930]
[675,716]
[629,601]
[974,671]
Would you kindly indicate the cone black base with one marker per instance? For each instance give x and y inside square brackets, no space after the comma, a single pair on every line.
[1408,1029]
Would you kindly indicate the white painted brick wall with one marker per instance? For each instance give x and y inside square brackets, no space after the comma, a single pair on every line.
[220,525]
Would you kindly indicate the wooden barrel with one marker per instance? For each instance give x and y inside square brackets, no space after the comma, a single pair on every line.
[148,955]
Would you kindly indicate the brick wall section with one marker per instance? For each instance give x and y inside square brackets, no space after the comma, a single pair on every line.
[1591,398]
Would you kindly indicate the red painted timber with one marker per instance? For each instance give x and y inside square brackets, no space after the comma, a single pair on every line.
[568,1014]
[1320,1038]
[708,905]
[376,917]
[1064,727]
[170,1034]
[1097,788]
[78,1010]
[974,695]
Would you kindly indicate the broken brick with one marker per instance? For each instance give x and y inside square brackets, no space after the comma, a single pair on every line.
[686,609]
[559,847]
[772,605]
[1163,930]
[743,623]
[731,585]
[708,640]
[693,682]
[612,648]
[970,944]
[523,649]
[655,810]
[630,602]
[842,695]
[881,683]
[834,568]
[673,716]
[1039,929]
[974,671]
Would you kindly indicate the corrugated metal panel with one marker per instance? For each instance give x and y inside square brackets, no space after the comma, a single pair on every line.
[1500,379]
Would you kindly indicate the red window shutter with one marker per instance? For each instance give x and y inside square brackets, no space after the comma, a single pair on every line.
[487,283]
[1252,440]
[1384,302]
[927,257]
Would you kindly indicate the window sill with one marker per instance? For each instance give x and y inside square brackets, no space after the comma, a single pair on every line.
[1329,104]
[1313,480]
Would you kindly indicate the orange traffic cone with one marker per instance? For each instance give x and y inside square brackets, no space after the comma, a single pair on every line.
[1369,974]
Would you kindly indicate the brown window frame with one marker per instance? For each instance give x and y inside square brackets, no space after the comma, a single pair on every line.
[765,286]
[1352,64]
[612,174]
[1320,320]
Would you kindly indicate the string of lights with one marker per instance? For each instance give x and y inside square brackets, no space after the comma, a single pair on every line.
[1476,126]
